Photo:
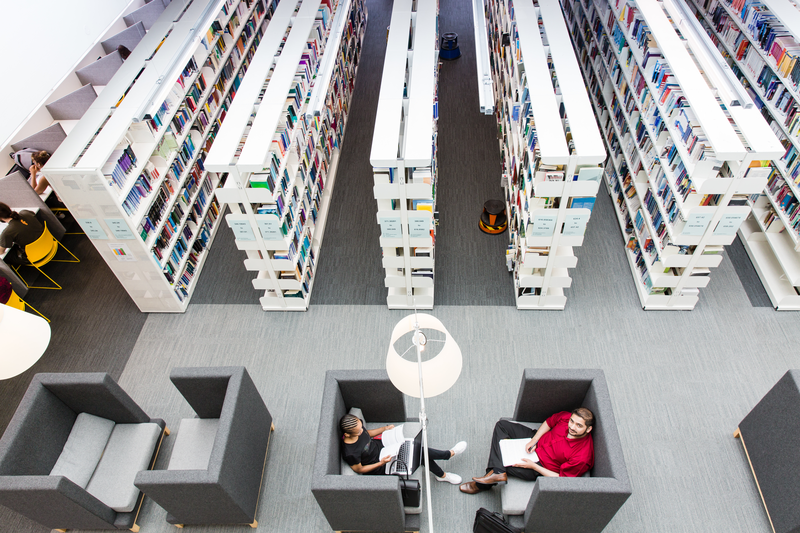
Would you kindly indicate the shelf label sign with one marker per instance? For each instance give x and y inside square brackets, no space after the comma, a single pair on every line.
[92,228]
[241,230]
[590,174]
[270,227]
[119,228]
[419,226]
[543,225]
[391,227]
[697,224]
[575,225]
[122,253]
[729,224]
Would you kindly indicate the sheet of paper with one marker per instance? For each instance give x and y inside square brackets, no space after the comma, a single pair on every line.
[513,451]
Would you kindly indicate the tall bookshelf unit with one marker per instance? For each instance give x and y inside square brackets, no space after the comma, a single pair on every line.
[280,155]
[403,154]
[132,170]
[681,164]
[759,41]
[550,146]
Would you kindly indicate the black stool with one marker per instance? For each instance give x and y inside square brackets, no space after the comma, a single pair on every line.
[448,49]
[493,219]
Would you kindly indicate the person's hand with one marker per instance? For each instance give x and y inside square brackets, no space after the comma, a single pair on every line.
[386,459]
[390,426]
[526,463]
[530,446]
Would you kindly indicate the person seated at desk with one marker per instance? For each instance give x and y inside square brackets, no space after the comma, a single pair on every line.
[23,228]
[361,450]
[37,179]
[563,443]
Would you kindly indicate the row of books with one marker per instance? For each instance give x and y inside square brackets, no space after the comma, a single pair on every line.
[189,179]
[141,189]
[769,34]
[198,246]
[121,162]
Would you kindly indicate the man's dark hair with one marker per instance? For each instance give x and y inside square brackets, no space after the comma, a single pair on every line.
[586,414]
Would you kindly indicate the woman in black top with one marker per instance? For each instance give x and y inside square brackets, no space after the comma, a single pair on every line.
[22,229]
[362,451]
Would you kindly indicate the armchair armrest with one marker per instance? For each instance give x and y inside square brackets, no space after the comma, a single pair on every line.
[191,496]
[360,503]
[55,502]
[592,502]
[95,393]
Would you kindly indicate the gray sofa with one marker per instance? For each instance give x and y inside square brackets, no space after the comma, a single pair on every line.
[69,456]
[569,505]
[769,436]
[215,470]
[353,502]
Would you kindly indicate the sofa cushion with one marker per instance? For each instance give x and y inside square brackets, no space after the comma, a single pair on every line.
[83,449]
[129,450]
[193,445]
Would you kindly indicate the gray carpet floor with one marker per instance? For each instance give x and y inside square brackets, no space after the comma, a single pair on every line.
[680,381]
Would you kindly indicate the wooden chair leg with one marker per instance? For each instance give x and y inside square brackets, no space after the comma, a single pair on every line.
[179,526]
[272,427]
[61,530]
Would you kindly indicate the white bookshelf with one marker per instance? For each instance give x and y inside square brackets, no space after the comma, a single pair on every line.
[550,144]
[403,154]
[678,204]
[131,170]
[771,235]
[279,154]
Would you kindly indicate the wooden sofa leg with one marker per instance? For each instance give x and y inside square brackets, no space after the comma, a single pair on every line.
[61,530]
[737,433]
[272,427]
[166,430]
[179,526]
[135,528]
[254,524]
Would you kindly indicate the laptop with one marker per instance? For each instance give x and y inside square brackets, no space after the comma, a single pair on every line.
[409,455]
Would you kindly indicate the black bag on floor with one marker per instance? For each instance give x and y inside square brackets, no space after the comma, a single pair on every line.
[410,489]
[489,522]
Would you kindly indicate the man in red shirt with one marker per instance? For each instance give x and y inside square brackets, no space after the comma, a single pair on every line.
[563,443]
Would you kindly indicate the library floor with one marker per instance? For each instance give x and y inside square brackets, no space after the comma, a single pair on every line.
[680,381]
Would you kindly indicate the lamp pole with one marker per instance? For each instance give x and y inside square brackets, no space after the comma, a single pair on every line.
[419,343]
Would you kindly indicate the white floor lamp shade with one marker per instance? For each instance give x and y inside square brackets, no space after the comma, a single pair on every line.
[438,374]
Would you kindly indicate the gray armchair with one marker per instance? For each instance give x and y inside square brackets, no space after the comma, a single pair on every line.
[586,504]
[217,463]
[70,453]
[769,436]
[352,502]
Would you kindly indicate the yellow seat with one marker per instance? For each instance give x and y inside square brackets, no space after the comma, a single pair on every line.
[42,251]
[18,303]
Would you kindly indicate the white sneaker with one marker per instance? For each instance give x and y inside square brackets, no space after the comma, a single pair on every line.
[459,448]
[450,478]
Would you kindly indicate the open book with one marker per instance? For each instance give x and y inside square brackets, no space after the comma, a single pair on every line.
[513,451]
[392,439]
